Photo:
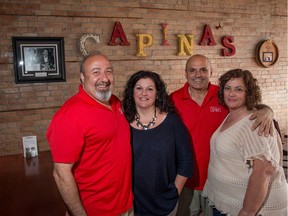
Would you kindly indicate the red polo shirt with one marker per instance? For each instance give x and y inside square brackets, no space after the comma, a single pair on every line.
[97,140]
[201,122]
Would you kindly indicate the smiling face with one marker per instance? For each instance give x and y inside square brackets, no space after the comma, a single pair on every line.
[97,78]
[45,53]
[234,93]
[198,72]
[145,93]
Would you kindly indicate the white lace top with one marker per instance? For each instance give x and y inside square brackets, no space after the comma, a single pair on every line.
[228,172]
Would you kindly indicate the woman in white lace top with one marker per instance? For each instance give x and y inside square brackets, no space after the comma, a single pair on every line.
[245,175]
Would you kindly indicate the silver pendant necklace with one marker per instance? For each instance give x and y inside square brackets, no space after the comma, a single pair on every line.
[145,126]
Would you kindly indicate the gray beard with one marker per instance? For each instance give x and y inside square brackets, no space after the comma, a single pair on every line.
[103,95]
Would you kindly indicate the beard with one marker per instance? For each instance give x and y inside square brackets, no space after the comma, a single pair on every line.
[102,91]
[103,95]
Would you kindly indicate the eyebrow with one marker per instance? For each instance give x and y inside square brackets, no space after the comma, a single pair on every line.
[199,68]
[147,86]
[99,68]
[235,86]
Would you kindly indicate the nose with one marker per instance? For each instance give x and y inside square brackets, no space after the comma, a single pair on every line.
[103,77]
[144,92]
[231,92]
[197,73]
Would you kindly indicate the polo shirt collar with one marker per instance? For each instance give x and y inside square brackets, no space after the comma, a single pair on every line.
[210,93]
[186,91]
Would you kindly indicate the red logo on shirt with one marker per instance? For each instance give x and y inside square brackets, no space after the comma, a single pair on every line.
[215,109]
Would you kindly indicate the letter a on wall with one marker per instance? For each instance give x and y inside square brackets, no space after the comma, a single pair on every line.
[118,32]
[207,36]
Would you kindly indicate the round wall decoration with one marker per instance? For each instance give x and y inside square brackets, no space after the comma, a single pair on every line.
[267,53]
[88,43]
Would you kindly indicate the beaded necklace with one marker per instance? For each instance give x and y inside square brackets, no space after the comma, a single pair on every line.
[145,126]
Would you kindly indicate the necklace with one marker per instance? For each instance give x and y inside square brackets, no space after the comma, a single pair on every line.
[145,126]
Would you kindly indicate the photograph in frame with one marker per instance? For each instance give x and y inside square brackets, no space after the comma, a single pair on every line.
[268,56]
[39,59]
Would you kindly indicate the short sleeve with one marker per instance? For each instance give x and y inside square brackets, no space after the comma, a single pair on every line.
[254,146]
[65,137]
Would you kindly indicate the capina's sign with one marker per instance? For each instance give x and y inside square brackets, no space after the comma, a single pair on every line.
[185,42]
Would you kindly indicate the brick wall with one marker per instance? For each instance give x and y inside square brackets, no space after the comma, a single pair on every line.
[26,109]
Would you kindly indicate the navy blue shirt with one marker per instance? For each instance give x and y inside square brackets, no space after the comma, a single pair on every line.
[159,154]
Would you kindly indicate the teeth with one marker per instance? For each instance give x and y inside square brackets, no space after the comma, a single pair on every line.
[102,86]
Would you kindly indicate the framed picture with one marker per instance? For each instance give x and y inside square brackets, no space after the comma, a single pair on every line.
[39,59]
[268,56]
[267,53]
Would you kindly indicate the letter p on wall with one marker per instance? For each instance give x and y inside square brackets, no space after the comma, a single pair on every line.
[143,40]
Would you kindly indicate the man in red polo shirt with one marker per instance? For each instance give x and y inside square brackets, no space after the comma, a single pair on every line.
[197,104]
[89,139]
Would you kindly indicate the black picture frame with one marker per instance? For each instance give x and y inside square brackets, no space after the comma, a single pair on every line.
[39,59]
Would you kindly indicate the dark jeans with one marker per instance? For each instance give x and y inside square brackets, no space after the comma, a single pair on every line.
[217,213]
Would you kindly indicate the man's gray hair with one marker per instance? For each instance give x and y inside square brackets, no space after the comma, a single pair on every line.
[88,56]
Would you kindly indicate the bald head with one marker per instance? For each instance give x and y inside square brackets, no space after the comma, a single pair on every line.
[198,58]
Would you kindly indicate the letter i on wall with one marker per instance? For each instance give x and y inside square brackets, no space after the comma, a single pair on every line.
[165,39]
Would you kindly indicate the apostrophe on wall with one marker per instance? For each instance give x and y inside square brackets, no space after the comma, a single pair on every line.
[219,26]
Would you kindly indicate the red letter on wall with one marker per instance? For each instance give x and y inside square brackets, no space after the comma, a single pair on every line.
[118,32]
[231,49]
[207,35]
[165,40]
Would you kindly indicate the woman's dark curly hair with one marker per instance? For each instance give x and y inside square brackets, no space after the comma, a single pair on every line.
[162,102]
[253,92]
